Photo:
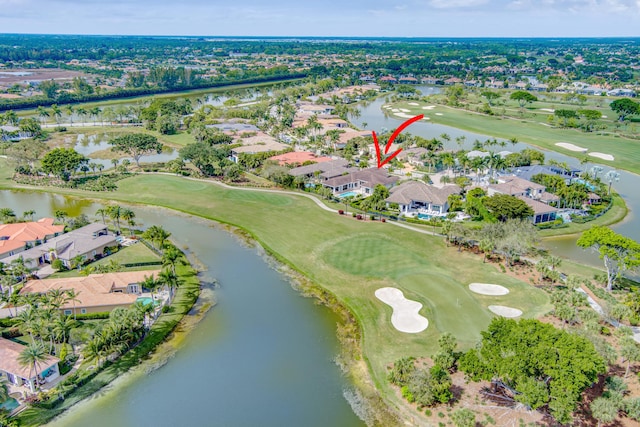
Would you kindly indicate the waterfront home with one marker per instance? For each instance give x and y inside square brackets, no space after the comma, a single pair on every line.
[528,172]
[515,186]
[95,293]
[87,243]
[323,170]
[20,236]
[541,211]
[417,197]
[360,182]
[20,375]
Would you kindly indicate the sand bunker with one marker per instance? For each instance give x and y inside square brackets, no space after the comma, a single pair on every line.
[403,115]
[550,110]
[503,311]
[405,317]
[429,107]
[570,147]
[395,110]
[438,114]
[488,289]
[404,110]
[602,156]
[415,104]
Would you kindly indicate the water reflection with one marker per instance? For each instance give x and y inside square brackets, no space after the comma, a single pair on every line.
[263,356]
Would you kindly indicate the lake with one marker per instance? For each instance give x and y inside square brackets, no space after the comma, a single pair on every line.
[263,355]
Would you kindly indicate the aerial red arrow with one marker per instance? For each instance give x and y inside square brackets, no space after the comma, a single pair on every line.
[393,136]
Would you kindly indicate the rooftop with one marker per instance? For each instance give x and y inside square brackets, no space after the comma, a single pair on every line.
[94,290]
[9,354]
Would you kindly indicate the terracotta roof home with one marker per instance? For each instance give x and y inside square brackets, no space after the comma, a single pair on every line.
[419,197]
[298,157]
[95,292]
[329,169]
[19,236]
[18,374]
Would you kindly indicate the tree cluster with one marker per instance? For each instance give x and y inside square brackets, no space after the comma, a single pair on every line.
[542,365]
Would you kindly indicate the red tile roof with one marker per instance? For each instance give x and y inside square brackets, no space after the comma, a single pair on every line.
[298,157]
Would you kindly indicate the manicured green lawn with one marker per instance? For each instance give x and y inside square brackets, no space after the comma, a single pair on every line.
[131,255]
[533,130]
[352,259]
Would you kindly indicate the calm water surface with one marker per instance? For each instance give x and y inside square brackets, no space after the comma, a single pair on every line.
[263,356]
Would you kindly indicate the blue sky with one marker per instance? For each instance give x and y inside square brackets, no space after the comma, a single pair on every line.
[410,18]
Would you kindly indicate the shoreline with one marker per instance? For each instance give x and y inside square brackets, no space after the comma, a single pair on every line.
[349,332]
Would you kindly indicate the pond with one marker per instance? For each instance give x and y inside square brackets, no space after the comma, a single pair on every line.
[89,144]
[262,356]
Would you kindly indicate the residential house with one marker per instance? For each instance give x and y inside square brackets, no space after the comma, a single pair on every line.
[20,375]
[622,92]
[96,293]
[408,80]
[541,211]
[415,197]
[452,81]
[20,236]
[361,181]
[388,79]
[514,186]
[298,158]
[13,133]
[430,80]
[528,172]
[235,127]
[323,170]
[88,243]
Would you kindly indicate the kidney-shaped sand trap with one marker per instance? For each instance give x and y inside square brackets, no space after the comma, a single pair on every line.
[405,316]
[503,311]
[488,289]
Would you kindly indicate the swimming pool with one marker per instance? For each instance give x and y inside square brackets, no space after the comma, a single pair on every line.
[9,405]
[146,300]
[591,187]
[347,194]
[424,216]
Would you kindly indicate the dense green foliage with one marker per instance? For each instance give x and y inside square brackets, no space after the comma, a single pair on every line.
[504,207]
[62,162]
[544,365]
[136,145]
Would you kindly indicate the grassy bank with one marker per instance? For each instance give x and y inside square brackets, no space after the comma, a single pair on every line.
[533,129]
[351,259]
[614,215]
[185,298]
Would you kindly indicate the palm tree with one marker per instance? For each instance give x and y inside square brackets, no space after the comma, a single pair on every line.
[32,356]
[28,214]
[170,279]
[82,112]
[96,113]
[43,113]
[156,234]
[57,113]
[128,215]
[103,212]
[70,111]
[7,214]
[4,391]
[172,257]
[115,163]
[73,297]
[115,213]
[152,284]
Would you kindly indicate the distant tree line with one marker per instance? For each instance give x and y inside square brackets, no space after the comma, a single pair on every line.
[72,98]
